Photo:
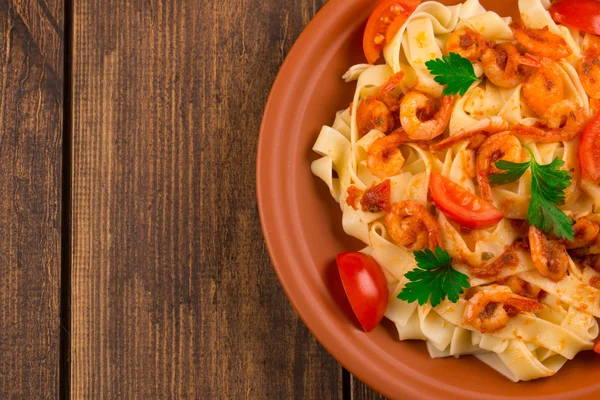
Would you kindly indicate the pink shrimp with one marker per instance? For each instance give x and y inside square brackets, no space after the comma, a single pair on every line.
[384,158]
[475,134]
[502,146]
[379,111]
[411,226]
[419,117]
[490,311]
[501,65]
[561,122]
[467,43]
[541,41]
[549,256]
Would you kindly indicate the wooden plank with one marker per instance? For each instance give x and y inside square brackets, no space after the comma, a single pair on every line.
[360,391]
[173,294]
[31,98]
[44,20]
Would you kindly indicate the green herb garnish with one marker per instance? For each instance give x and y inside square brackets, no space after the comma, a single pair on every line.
[454,71]
[434,277]
[548,184]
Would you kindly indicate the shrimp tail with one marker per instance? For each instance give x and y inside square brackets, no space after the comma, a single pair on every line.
[553,118]
[392,83]
[530,60]
[524,304]
[528,131]
[475,134]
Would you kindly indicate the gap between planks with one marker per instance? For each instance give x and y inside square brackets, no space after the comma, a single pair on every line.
[66,248]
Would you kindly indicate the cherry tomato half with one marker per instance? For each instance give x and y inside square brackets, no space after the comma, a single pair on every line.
[589,150]
[365,286]
[461,205]
[582,14]
[383,24]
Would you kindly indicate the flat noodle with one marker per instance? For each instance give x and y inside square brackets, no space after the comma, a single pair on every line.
[489,25]
[531,346]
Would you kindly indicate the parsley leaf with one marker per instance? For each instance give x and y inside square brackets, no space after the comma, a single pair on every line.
[548,184]
[434,277]
[514,171]
[550,180]
[454,71]
[547,217]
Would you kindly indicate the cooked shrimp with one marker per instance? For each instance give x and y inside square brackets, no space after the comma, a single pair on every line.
[475,134]
[585,232]
[467,43]
[541,41]
[411,226]
[414,235]
[507,260]
[561,122]
[567,115]
[502,146]
[543,87]
[374,114]
[549,256]
[501,65]
[378,111]
[521,287]
[387,92]
[490,311]
[589,66]
[384,158]
[419,118]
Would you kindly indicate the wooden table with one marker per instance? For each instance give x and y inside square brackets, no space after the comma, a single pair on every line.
[132,261]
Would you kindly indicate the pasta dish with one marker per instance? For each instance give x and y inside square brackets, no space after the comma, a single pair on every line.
[468,162]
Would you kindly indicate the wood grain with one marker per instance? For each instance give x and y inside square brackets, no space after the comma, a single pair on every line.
[44,20]
[31,101]
[173,293]
[360,391]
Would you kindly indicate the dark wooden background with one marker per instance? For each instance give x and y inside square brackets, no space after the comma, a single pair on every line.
[132,263]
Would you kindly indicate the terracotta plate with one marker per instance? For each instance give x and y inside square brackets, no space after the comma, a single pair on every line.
[302,227]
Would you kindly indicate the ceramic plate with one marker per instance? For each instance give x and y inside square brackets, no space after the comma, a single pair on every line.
[302,227]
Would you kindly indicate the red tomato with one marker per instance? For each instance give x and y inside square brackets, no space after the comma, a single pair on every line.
[589,150]
[396,25]
[365,286]
[582,14]
[383,24]
[461,205]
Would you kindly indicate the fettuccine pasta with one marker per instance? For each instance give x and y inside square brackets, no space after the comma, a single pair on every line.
[534,297]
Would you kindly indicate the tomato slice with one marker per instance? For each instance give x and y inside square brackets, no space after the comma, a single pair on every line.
[383,24]
[395,26]
[461,205]
[582,14]
[365,286]
[589,151]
